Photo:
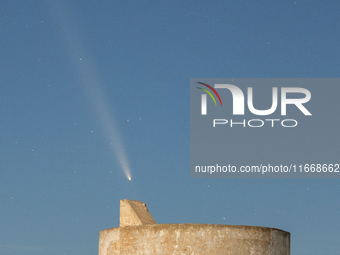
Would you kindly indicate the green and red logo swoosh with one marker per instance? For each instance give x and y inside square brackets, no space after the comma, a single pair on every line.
[208,92]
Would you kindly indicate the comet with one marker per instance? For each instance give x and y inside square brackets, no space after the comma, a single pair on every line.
[89,79]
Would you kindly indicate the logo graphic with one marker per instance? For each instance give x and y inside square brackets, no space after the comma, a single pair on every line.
[280,98]
[238,99]
[263,127]
[204,97]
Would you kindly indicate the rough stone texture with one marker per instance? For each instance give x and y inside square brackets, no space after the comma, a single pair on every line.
[134,213]
[109,241]
[193,239]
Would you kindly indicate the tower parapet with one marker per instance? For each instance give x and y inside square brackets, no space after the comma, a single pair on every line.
[139,234]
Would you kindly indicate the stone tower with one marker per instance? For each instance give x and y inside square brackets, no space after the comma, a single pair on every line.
[139,234]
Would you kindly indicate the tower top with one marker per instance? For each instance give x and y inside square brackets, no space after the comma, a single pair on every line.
[134,213]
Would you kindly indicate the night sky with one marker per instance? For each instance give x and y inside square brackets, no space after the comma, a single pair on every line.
[92,93]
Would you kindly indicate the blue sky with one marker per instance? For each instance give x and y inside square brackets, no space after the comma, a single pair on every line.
[80,77]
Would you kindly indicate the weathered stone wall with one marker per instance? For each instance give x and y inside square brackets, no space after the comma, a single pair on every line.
[194,239]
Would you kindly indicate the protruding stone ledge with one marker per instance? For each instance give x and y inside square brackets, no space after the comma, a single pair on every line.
[134,213]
